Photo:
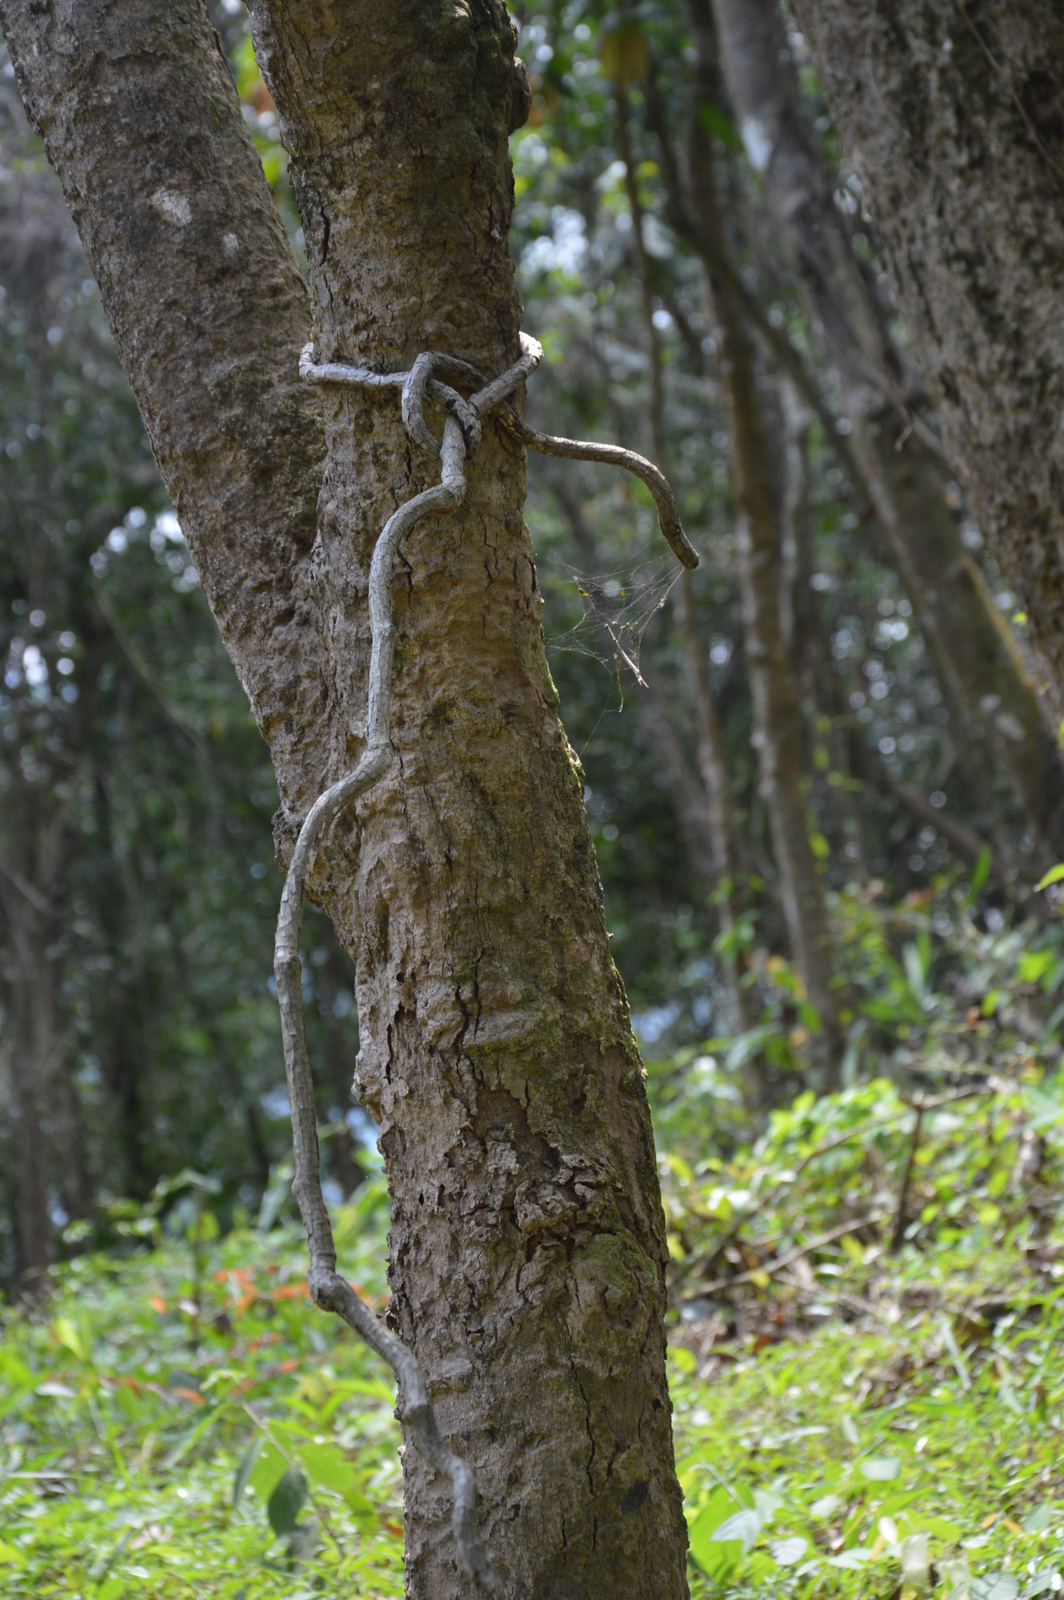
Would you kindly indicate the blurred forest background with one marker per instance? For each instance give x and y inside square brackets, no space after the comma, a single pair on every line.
[823,772]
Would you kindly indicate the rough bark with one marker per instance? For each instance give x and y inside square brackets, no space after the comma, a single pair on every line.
[527,1248]
[778,727]
[952,117]
[974,651]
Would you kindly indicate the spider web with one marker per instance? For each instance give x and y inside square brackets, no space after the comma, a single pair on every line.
[618,607]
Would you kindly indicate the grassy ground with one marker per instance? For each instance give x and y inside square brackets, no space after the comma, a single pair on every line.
[931,1431]
[168,1431]
[849,1422]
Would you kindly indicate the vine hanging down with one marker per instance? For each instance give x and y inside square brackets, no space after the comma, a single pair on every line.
[461,433]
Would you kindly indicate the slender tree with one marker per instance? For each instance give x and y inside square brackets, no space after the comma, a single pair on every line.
[774,689]
[952,118]
[47,723]
[527,1245]
[709,745]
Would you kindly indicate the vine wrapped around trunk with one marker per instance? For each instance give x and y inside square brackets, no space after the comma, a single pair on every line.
[462,431]
[527,1244]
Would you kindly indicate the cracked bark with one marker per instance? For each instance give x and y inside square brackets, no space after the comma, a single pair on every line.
[975,654]
[527,1248]
[952,116]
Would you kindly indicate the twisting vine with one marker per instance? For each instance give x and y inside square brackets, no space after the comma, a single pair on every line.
[461,433]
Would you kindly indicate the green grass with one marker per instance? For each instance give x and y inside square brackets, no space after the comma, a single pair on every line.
[127,1412]
[826,1412]
[939,1422]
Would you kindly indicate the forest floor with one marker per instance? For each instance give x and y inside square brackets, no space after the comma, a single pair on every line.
[850,1421]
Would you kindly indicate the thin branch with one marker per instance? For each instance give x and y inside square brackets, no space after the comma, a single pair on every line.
[26,889]
[615,455]
[897,1236]
[772,1267]
[140,664]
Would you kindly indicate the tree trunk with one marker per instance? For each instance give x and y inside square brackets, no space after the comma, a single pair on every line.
[951,116]
[33,846]
[33,849]
[702,800]
[33,1050]
[527,1243]
[720,818]
[778,732]
[975,654]
[332,979]
[708,738]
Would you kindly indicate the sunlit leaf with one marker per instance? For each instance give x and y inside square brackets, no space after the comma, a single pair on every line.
[326,1464]
[785,1552]
[744,1525]
[70,1336]
[916,1561]
[879,1469]
[1046,1579]
[995,1586]
[850,1559]
[714,1558]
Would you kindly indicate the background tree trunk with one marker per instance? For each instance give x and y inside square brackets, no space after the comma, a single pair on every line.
[772,680]
[527,1242]
[652,703]
[708,738]
[33,1048]
[952,118]
[977,658]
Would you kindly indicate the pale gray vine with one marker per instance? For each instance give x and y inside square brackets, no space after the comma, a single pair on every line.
[461,433]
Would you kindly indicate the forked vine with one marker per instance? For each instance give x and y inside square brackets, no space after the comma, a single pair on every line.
[461,434]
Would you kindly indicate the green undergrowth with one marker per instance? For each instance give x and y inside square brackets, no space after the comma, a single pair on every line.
[184,1422]
[933,1440]
[178,1420]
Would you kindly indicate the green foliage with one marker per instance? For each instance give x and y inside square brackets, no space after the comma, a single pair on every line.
[824,1467]
[847,1420]
[166,1430]
[866,1357]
